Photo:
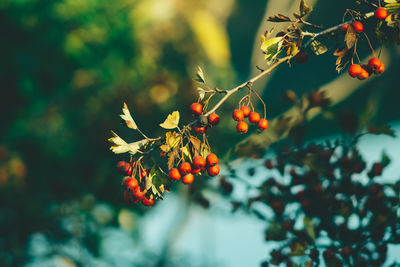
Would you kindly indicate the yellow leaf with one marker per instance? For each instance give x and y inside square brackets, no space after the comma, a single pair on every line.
[172,121]
[128,118]
[120,146]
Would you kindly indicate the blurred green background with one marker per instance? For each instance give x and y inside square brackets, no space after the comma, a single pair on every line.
[68,65]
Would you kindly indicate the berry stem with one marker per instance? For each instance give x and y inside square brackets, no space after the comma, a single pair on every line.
[372,49]
[259,97]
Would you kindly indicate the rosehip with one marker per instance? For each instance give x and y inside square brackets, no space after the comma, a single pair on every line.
[358,26]
[212,159]
[148,201]
[213,119]
[381,13]
[343,28]
[363,75]
[174,174]
[374,63]
[254,117]
[124,168]
[196,108]
[238,115]
[242,127]
[263,124]
[199,162]
[185,167]
[131,183]
[199,129]
[188,178]
[139,194]
[355,70]
[246,110]
[213,170]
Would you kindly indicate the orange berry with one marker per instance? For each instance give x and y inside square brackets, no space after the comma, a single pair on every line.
[124,168]
[381,69]
[196,171]
[355,70]
[358,26]
[131,183]
[254,117]
[199,162]
[199,129]
[238,115]
[212,159]
[148,201]
[246,110]
[196,108]
[188,178]
[374,63]
[185,167]
[263,124]
[242,127]
[343,28]
[213,170]
[363,75]
[213,119]
[174,174]
[381,13]
[139,194]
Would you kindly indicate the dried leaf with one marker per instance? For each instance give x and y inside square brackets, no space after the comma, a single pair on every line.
[202,92]
[120,146]
[309,227]
[318,48]
[172,121]
[186,153]
[172,157]
[195,146]
[200,75]
[344,56]
[128,118]
[304,9]
[279,18]
[351,37]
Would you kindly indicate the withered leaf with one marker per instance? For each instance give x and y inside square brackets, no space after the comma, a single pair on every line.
[351,37]
[279,18]
[195,146]
[344,56]
[304,9]
[318,48]
[172,156]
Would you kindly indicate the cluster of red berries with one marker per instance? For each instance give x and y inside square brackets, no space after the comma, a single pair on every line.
[134,192]
[254,117]
[362,72]
[186,171]
[212,120]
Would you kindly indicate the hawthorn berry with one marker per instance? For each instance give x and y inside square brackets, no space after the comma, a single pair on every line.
[212,159]
[278,207]
[374,63]
[185,167]
[355,70]
[124,168]
[269,164]
[138,193]
[213,119]
[254,117]
[345,252]
[246,110]
[174,174]
[199,129]
[131,183]
[363,75]
[301,57]
[129,198]
[213,170]
[242,127]
[238,115]
[358,26]
[381,13]
[196,108]
[381,69]
[143,173]
[262,124]
[343,28]
[199,162]
[188,178]
[147,201]
[196,171]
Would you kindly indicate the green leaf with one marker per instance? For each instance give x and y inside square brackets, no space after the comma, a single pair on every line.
[172,121]
[272,47]
[309,227]
[200,75]
[156,182]
[128,118]
[120,146]
[385,160]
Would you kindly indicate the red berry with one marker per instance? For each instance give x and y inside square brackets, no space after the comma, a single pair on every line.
[199,129]
[238,115]
[254,117]
[358,26]
[213,119]
[346,252]
[188,178]
[185,167]
[148,201]
[278,207]
[363,75]
[381,69]
[131,183]
[196,171]
[374,63]
[199,162]
[139,194]
[355,70]
[381,13]
[301,57]
[246,110]
[343,28]
[196,108]
[174,174]
[263,124]
[213,170]
[129,197]
[242,127]
[124,168]
[212,159]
